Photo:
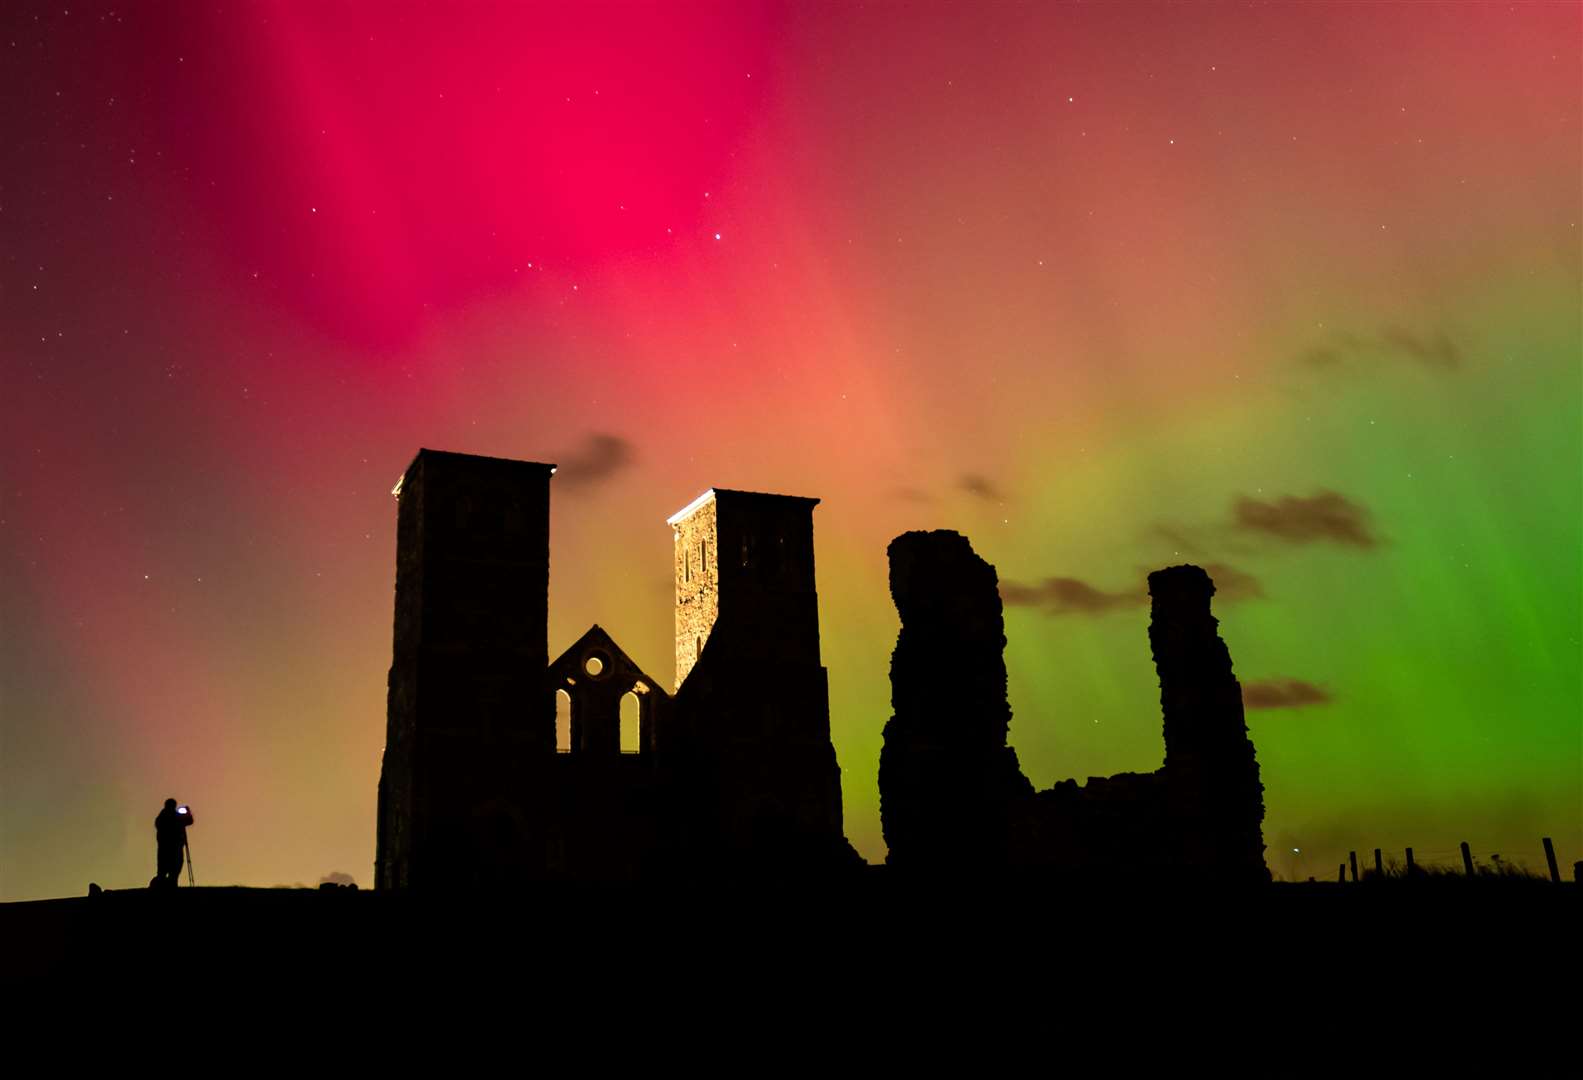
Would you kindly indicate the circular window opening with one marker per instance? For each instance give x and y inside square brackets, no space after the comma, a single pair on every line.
[594,666]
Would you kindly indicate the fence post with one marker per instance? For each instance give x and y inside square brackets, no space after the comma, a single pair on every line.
[1577,872]
[1379,866]
[1409,862]
[1550,857]
[1341,873]
[1352,857]
[1467,859]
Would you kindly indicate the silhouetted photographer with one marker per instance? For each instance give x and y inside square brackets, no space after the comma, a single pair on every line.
[170,829]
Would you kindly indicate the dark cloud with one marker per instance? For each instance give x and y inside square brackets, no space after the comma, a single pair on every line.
[1283,694]
[1070,596]
[1289,519]
[1435,351]
[980,486]
[1327,516]
[1180,537]
[1231,584]
[338,877]
[601,457]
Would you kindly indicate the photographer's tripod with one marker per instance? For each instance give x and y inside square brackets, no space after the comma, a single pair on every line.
[187,849]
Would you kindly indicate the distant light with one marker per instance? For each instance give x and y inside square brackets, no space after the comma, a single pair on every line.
[717,236]
[1295,851]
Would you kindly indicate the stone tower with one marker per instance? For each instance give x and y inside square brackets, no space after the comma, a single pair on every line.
[752,709]
[469,714]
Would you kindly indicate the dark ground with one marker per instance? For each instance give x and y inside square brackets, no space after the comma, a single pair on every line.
[871,976]
[868,926]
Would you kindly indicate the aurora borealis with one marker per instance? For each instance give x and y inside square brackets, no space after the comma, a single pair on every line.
[1288,291]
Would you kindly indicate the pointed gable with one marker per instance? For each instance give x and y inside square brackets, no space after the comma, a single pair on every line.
[595,657]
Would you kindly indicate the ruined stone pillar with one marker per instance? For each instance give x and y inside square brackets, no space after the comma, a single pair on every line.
[947,779]
[1212,776]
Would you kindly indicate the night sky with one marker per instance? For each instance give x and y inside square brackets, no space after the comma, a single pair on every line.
[1291,292]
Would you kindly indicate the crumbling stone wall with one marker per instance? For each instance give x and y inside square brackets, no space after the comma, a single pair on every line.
[952,795]
[947,779]
[1112,827]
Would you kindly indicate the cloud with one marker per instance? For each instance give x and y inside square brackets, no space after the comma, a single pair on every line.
[1252,522]
[1292,519]
[601,457]
[981,487]
[1180,537]
[1070,596]
[911,494]
[1283,694]
[1435,351]
[1231,584]
[337,877]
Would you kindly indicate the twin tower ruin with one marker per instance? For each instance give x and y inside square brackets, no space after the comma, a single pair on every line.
[734,768]
[733,772]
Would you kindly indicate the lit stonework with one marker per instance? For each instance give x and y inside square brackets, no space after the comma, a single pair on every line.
[697,579]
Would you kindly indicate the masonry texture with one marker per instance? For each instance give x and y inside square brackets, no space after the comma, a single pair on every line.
[951,794]
[733,774]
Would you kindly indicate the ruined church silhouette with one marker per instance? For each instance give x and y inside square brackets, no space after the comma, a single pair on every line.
[733,771]
[953,798]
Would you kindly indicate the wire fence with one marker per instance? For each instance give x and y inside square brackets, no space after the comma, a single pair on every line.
[1537,862]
